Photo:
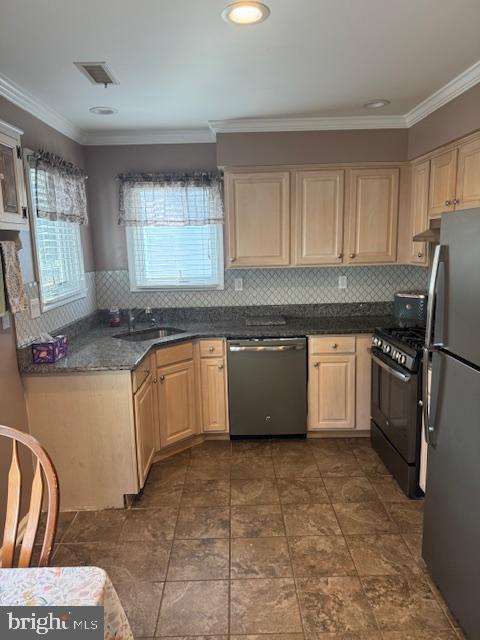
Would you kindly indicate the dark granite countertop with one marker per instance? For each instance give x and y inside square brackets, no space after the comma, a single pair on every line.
[97,350]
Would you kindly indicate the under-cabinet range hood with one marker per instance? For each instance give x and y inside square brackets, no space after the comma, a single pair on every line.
[432,234]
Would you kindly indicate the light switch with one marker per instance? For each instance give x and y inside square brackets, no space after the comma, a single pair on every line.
[6,322]
[238,284]
[35,308]
[342,282]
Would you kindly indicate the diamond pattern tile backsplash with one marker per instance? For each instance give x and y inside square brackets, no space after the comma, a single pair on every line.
[270,286]
[30,328]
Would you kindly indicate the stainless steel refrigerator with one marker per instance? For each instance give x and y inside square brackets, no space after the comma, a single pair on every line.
[451,539]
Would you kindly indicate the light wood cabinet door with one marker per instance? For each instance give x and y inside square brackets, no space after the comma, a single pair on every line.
[318,215]
[176,402]
[258,219]
[145,427]
[419,210]
[443,176]
[372,216]
[363,383]
[13,209]
[468,178]
[214,395]
[331,392]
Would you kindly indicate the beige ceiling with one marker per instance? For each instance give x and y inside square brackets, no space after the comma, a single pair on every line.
[180,65]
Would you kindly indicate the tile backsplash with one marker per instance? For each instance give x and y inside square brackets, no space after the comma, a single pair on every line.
[29,328]
[270,287]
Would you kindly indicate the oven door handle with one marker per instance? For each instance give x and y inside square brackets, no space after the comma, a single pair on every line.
[403,377]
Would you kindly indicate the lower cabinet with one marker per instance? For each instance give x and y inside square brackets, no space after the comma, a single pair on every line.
[144,408]
[214,395]
[176,402]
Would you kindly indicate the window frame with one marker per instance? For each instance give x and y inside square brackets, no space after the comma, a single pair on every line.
[132,272]
[60,300]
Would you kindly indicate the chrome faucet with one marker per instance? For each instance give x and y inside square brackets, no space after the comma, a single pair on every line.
[134,314]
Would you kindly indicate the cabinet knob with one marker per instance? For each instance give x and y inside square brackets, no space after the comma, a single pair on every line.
[340,255]
[316,365]
[455,201]
[352,255]
[2,176]
[448,203]
[419,254]
[334,346]
[220,366]
[162,378]
[154,380]
[211,349]
[232,259]
[147,372]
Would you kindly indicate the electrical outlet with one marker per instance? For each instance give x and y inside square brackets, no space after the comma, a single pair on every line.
[6,322]
[35,308]
[238,284]
[342,282]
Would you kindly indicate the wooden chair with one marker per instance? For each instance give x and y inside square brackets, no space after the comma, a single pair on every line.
[31,520]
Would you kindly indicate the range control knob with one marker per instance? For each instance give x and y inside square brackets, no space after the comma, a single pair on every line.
[403,359]
[388,348]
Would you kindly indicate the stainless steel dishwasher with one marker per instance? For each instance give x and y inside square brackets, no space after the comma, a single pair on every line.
[267,387]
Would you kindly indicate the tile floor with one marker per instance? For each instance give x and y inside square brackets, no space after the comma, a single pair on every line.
[283,540]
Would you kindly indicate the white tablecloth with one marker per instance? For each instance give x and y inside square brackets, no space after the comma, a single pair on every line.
[66,586]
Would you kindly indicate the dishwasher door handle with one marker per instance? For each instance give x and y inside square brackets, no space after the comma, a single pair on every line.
[259,349]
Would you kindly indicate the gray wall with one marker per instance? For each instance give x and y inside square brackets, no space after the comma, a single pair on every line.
[105,163]
[310,147]
[454,120]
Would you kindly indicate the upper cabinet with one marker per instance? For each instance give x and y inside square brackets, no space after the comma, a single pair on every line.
[419,210]
[443,174]
[468,176]
[258,219]
[318,217]
[372,216]
[13,206]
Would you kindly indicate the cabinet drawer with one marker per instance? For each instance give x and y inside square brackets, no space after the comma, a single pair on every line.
[332,344]
[142,372]
[169,355]
[211,348]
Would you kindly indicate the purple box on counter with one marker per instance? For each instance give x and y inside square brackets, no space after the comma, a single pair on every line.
[47,352]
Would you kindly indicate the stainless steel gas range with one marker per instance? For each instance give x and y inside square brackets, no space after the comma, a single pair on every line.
[396,409]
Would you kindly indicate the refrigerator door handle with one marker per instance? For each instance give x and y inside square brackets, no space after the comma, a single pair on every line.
[425,392]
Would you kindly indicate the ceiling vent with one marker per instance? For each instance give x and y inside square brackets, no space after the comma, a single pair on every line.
[97,72]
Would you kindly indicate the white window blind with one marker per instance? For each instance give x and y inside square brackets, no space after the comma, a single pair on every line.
[189,256]
[59,259]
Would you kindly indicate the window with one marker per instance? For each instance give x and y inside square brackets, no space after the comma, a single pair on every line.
[174,241]
[59,256]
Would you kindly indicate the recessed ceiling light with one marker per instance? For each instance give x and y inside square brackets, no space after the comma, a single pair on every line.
[243,13]
[103,111]
[376,104]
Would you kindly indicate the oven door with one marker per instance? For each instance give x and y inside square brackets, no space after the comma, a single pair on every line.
[395,408]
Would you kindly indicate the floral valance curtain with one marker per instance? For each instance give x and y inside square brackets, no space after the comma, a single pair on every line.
[60,192]
[175,199]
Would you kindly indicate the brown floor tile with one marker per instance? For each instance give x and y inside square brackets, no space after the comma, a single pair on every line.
[203,522]
[270,636]
[254,491]
[355,489]
[251,447]
[194,608]
[420,635]
[65,519]
[370,462]
[212,450]
[404,604]
[165,493]
[337,463]
[141,602]
[330,444]
[169,470]
[381,555]
[261,521]
[199,560]
[246,467]
[310,520]
[301,465]
[208,469]
[96,526]
[264,606]
[333,605]
[260,558]
[408,516]
[369,635]
[414,543]
[388,490]
[206,493]
[290,446]
[302,490]
[316,556]
[149,525]
[363,517]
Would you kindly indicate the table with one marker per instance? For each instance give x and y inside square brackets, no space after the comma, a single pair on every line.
[66,586]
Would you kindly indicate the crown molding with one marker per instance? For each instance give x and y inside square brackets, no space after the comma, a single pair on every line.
[466,80]
[154,136]
[252,125]
[28,102]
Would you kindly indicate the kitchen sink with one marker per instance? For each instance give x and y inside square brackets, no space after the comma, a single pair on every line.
[149,334]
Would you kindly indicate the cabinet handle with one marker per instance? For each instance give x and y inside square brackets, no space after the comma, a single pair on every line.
[315,364]
[220,366]
[334,346]
[352,255]
[24,212]
[211,349]
[448,202]
[162,378]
